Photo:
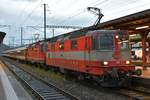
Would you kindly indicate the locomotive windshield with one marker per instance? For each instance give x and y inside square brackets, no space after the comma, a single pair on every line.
[103,42]
[106,40]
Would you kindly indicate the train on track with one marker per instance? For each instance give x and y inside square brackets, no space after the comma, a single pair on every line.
[103,55]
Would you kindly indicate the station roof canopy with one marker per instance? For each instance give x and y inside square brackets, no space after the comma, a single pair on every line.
[2,35]
[129,22]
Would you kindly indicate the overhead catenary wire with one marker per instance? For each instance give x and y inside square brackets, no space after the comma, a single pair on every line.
[126,9]
[37,29]
[70,6]
[21,13]
[81,11]
[32,11]
[41,21]
[97,3]
[113,13]
[69,17]
[121,11]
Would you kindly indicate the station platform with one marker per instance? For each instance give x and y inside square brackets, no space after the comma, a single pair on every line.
[144,79]
[10,88]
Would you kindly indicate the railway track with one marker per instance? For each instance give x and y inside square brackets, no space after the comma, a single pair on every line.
[135,93]
[140,89]
[40,88]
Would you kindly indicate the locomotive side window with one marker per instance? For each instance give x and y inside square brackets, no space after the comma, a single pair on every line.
[106,42]
[123,42]
[73,44]
[124,45]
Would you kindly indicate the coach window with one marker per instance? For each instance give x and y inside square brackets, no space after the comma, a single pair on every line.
[73,44]
[61,46]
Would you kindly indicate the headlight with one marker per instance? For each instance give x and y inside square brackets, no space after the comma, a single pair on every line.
[105,63]
[127,62]
[116,36]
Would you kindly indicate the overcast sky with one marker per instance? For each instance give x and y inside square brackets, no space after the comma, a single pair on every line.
[17,13]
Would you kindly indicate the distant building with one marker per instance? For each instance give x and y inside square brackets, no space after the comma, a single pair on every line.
[2,35]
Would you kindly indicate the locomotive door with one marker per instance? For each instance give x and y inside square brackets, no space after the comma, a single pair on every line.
[87,51]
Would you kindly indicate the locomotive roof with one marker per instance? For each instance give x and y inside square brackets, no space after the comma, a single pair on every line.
[78,33]
[110,31]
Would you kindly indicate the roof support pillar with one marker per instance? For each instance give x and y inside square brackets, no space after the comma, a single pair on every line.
[148,56]
[144,37]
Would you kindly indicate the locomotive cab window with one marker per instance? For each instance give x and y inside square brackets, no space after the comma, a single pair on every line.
[106,42]
[103,42]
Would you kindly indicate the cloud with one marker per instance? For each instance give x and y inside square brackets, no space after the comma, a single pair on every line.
[26,0]
[63,12]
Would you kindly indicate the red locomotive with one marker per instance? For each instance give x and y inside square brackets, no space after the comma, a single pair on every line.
[103,55]
[35,53]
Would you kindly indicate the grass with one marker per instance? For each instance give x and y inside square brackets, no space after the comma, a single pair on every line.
[50,74]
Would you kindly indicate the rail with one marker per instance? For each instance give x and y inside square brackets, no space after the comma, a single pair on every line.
[40,88]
